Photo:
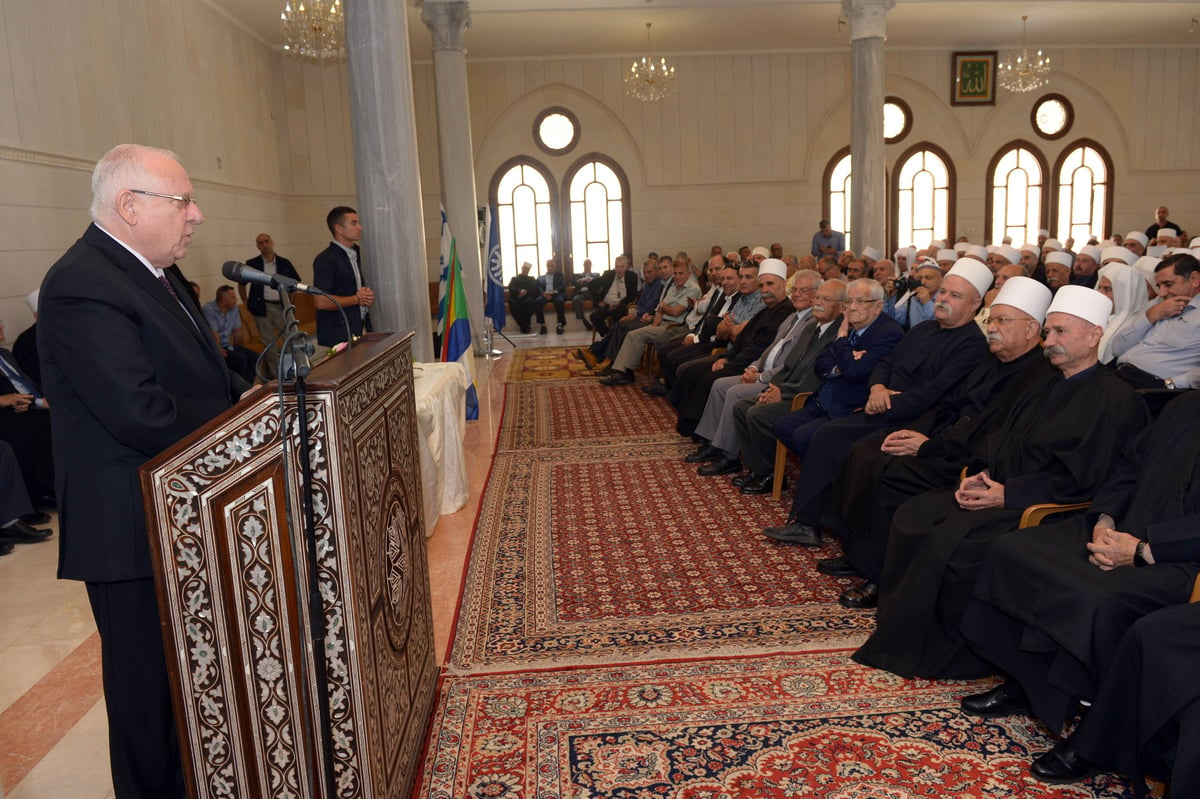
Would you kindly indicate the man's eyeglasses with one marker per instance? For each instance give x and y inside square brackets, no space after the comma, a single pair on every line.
[860,302]
[184,200]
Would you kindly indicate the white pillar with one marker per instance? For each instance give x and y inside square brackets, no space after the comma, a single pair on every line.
[448,20]
[868,167]
[388,176]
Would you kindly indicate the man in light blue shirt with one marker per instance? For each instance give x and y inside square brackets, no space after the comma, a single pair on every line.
[1160,348]
[916,306]
[828,241]
[225,321]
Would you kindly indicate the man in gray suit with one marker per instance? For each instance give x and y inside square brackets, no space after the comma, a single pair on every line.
[754,417]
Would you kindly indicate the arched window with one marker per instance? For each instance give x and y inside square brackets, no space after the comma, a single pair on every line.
[1083,175]
[923,195]
[598,209]
[525,205]
[836,207]
[1016,199]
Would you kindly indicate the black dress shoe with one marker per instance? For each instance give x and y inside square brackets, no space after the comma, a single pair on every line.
[706,453]
[655,389]
[587,325]
[836,567]
[1061,764]
[722,466]
[525,329]
[6,547]
[558,328]
[45,502]
[542,330]
[1006,699]
[21,533]
[36,518]
[861,596]
[617,379]
[795,534]
[742,479]
[759,485]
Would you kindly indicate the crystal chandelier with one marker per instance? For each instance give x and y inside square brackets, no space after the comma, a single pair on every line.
[314,30]
[648,80]
[1027,72]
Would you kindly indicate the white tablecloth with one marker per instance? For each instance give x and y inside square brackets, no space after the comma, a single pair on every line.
[441,390]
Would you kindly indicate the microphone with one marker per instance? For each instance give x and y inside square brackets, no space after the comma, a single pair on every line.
[240,273]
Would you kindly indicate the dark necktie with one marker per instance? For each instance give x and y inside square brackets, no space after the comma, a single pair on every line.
[167,285]
[853,338]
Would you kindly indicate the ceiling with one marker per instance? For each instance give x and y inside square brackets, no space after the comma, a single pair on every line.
[564,28]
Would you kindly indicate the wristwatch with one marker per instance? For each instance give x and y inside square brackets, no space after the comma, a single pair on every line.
[1168,383]
[1139,555]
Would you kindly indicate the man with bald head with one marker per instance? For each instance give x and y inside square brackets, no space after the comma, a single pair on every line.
[157,377]
[931,358]
[1055,443]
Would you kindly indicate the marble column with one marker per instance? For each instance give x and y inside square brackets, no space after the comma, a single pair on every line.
[388,177]
[447,20]
[868,167]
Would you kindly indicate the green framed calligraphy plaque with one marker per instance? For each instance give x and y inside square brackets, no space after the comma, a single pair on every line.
[973,78]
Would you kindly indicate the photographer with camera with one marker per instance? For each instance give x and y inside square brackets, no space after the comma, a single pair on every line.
[917,290]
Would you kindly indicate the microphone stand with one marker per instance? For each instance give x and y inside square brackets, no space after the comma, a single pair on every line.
[294,366]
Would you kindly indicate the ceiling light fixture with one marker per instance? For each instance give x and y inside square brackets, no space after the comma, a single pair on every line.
[314,30]
[1026,72]
[647,80]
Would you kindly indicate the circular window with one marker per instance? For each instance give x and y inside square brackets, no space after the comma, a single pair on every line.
[556,131]
[1052,116]
[897,119]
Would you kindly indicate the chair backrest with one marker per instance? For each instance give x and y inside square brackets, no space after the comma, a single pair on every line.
[250,338]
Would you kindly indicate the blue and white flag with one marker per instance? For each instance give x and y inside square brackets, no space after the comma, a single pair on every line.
[494,307]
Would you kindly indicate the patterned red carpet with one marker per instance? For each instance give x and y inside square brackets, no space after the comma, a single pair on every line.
[812,725]
[544,363]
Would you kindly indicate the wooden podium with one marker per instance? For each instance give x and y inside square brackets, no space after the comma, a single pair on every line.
[233,601]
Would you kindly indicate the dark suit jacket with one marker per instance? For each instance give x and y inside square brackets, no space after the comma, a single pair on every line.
[333,273]
[706,329]
[801,375]
[556,283]
[849,391]
[255,303]
[926,365]
[6,385]
[600,286]
[128,371]
[756,336]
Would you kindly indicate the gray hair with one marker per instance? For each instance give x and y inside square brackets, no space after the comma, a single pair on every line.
[873,287]
[116,169]
[841,287]
[809,274]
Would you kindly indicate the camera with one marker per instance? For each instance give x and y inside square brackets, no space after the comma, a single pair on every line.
[903,284]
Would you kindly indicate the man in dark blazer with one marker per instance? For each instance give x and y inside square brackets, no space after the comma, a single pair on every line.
[130,368]
[553,288]
[263,302]
[606,310]
[337,270]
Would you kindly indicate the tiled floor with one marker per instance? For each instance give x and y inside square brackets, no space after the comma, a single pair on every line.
[53,733]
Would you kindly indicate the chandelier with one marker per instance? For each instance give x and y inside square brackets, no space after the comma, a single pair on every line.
[648,80]
[314,30]
[1027,72]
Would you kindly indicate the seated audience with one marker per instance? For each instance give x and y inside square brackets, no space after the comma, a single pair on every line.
[604,349]
[552,287]
[612,293]
[702,324]
[25,347]
[25,426]
[678,297]
[522,297]
[916,304]
[15,505]
[1126,288]
[583,292]
[226,323]
[1160,348]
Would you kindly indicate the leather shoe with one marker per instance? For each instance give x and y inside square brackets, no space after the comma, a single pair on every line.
[795,534]
[761,484]
[836,567]
[1006,699]
[21,533]
[558,329]
[6,547]
[1061,764]
[586,356]
[706,453]
[542,330]
[588,325]
[722,466]
[860,597]
[617,379]
[742,479]
[36,518]
[655,389]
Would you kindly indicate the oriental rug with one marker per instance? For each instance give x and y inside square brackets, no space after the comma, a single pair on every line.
[813,725]
[564,414]
[545,363]
[622,553]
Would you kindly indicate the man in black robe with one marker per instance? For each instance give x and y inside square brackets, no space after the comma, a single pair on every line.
[1052,602]
[1146,717]
[1056,443]
[927,363]
[692,382]
[883,471]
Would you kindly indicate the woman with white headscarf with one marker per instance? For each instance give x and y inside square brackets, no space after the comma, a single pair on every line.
[1126,287]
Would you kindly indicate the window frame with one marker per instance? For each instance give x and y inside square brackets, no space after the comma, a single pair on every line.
[894,192]
[568,234]
[1048,185]
[1110,184]
[555,211]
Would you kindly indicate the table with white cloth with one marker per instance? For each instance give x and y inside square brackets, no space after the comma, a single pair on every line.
[441,391]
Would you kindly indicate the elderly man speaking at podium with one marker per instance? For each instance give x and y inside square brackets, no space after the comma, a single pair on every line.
[129,368]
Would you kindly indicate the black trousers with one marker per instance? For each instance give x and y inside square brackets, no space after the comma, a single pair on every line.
[142,740]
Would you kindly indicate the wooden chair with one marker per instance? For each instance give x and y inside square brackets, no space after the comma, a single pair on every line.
[250,338]
[781,451]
